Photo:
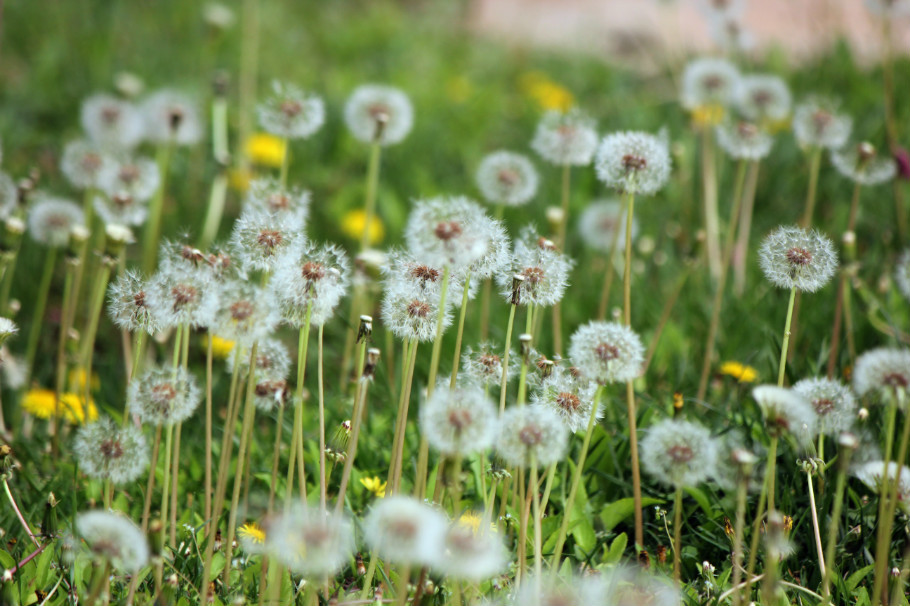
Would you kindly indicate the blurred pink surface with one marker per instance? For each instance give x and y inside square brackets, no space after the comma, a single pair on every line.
[644,29]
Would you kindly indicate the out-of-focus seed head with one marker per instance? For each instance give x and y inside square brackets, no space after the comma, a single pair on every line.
[531,434]
[902,274]
[708,82]
[111,122]
[483,365]
[458,421]
[171,117]
[403,530]
[744,140]
[137,178]
[472,554]
[290,112]
[863,165]
[571,398]
[763,98]
[565,138]
[872,474]
[260,238]
[817,123]
[507,178]
[833,402]
[379,113]
[162,396]
[178,295]
[607,352]
[544,272]
[51,219]
[291,205]
[247,313]
[310,278]
[107,451]
[310,541]
[114,539]
[83,163]
[883,372]
[679,453]
[447,231]
[786,412]
[791,256]
[603,220]
[633,162]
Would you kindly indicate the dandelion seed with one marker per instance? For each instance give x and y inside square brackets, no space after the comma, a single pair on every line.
[883,371]
[543,269]
[792,257]
[570,397]
[290,112]
[834,404]
[162,396]
[507,178]
[679,453]
[179,296]
[565,138]
[311,542]
[730,33]
[171,117]
[708,81]
[786,411]
[633,162]
[83,163]
[113,538]
[862,164]
[447,231]
[872,475]
[607,352]
[291,206]
[112,122]
[259,239]
[744,140]
[816,123]
[311,277]
[107,451]
[601,221]
[472,554]
[51,219]
[531,433]
[379,113]
[458,421]
[763,98]
[403,530]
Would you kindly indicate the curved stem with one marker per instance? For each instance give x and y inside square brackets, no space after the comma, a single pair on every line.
[815,529]
[782,367]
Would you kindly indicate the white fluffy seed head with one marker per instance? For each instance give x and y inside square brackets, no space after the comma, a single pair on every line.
[786,412]
[744,140]
[565,138]
[113,538]
[51,219]
[137,178]
[83,163]
[310,541]
[884,372]
[834,404]
[632,586]
[403,530]
[817,123]
[273,360]
[259,238]
[447,231]
[111,122]
[248,313]
[128,305]
[410,313]
[458,421]
[171,117]
[763,98]
[607,352]
[572,398]
[543,269]
[8,329]
[310,278]
[375,109]
[290,112]
[634,162]
[679,453]
[120,209]
[707,82]
[472,554]
[872,475]
[531,435]
[507,178]
[791,256]
[183,295]
[603,220]
[106,450]
[162,396]
[291,205]
[483,366]
[863,165]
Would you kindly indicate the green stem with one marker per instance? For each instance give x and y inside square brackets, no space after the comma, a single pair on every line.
[745,228]
[208,434]
[153,225]
[677,533]
[815,162]
[709,190]
[285,161]
[771,472]
[404,402]
[815,528]
[505,360]
[321,388]
[356,423]
[296,453]
[215,211]
[786,342]
[40,304]
[742,493]
[61,354]
[461,315]
[538,541]
[370,200]
[836,509]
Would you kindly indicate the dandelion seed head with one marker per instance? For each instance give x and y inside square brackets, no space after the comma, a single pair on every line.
[180,296]
[248,313]
[461,420]
[786,411]
[744,140]
[292,206]
[311,277]
[543,269]
[791,257]
[834,403]
[162,396]
[494,258]
[290,112]
[633,162]
[111,122]
[83,163]
[763,98]
[377,109]
[447,231]
[483,365]
[872,475]
[607,352]
[171,117]
[273,360]
[403,530]
[128,305]
[679,453]
[107,451]
[601,221]
[531,433]
[708,81]
[565,138]
[259,239]
[571,398]
[8,329]
[472,554]
[817,123]
[507,178]
[882,371]
[137,178]
[627,586]
[863,165]
[120,209]
[311,542]
[113,538]
[51,219]
[730,33]
[410,313]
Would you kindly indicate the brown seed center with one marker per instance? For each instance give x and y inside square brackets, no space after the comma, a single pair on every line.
[163,393]
[448,230]
[183,295]
[111,449]
[418,309]
[633,163]
[242,310]
[823,405]
[425,273]
[799,256]
[568,401]
[530,435]
[269,240]
[291,108]
[460,418]
[680,453]
[607,352]
[533,275]
[312,271]
[278,201]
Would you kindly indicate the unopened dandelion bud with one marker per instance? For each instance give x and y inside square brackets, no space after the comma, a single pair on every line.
[895,572]
[49,521]
[744,459]
[154,536]
[369,367]
[6,459]
[555,217]
[116,239]
[862,414]
[361,569]
[7,576]
[546,368]
[848,441]
[366,328]
[524,341]
[517,281]
[13,228]
[849,238]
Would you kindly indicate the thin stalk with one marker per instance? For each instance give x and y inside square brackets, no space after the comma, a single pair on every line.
[721,284]
[97,303]
[61,354]
[576,480]
[153,225]
[566,190]
[505,360]
[745,229]
[538,541]
[843,286]
[217,198]
[782,367]
[664,318]
[405,367]
[771,473]
[759,515]
[370,199]
[522,528]
[319,378]
[356,423]
[166,484]
[208,434]
[611,271]
[677,533]
[285,161]
[21,518]
[709,191]
[815,529]
[742,492]
[461,314]
[401,425]
[815,162]
[174,485]
[8,278]
[150,484]
[40,304]
[296,454]
[548,485]
[276,457]
[485,295]
[368,578]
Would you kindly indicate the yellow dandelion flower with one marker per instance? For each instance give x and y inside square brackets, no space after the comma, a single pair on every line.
[374,485]
[39,402]
[76,379]
[221,348]
[459,89]
[470,519]
[266,150]
[739,371]
[549,95]
[74,409]
[239,179]
[353,222]
[788,523]
[252,532]
[778,126]
[708,115]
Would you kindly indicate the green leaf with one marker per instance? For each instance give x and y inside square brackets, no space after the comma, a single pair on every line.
[617,511]
[854,579]
[44,566]
[583,533]
[702,499]
[617,548]
[217,564]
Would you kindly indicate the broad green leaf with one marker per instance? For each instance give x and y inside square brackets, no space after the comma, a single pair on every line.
[617,548]
[702,499]
[617,511]
[854,579]
[583,532]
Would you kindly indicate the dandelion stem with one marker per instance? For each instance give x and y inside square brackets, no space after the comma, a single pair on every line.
[548,486]
[356,423]
[297,431]
[611,271]
[742,493]
[174,486]
[505,360]
[709,191]
[208,434]
[319,377]
[8,274]
[720,286]
[815,162]
[461,315]
[785,345]
[166,484]
[97,302]
[40,304]
[403,405]
[677,533]
[836,508]
[61,354]
[576,480]
[370,199]
[153,226]
[213,215]
[815,529]
[538,540]
[285,161]
[760,511]
[771,473]
[745,228]
[21,518]
[150,484]
[843,288]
